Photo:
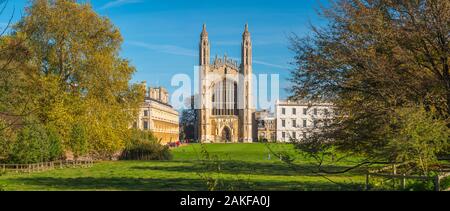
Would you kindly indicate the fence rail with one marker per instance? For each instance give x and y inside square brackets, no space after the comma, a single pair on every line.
[44,166]
[403,177]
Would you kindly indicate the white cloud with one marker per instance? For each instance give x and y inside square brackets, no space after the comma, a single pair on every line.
[118,3]
[270,64]
[177,50]
[170,49]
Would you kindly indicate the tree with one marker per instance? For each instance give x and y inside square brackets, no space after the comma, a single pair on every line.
[35,144]
[12,104]
[7,138]
[188,121]
[78,140]
[77,48]
[417,138]
[63,68]
[373,59]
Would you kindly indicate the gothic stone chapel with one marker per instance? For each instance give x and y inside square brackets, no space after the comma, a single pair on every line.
[226,108]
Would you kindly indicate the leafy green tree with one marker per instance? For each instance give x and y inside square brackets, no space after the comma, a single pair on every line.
[35,144]
[417,137]
[55,148]
[372,60]
[74,68]
[188,120]
[7,138]
[78,140]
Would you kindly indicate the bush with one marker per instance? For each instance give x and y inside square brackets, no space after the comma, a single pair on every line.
[35,144]
[7,138]
[421,186]
[144,146]
[417,137]
[445,183]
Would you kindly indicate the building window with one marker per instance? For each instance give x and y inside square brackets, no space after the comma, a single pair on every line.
[145,112]
[283,135]
[305,123]
[261,124]
[294,123]
[294,111]
[294,135]
[224,98]
[283,123]
[145,125]
[304,134]
[283,111]
[305,111]
[315,123]
[315,111]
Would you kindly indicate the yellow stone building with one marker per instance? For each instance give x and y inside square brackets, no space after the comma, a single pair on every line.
[158,116]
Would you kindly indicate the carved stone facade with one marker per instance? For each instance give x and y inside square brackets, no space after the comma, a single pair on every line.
[265,126]
[226,108]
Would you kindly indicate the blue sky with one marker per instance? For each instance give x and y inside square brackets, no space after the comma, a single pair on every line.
[161,36]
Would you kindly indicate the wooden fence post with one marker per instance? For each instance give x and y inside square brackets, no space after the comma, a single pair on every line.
[367,181]
[404,182]
[436,183]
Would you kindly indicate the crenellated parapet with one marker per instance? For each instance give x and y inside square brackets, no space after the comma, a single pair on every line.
[218,62]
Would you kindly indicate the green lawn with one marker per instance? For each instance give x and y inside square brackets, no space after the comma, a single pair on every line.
[245,165]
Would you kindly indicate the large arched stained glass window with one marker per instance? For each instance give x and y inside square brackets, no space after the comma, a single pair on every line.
[224,98]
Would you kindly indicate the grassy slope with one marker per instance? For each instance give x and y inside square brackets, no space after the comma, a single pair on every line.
[247,162]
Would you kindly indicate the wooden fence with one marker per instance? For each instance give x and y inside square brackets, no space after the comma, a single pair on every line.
[45,166]
[403,177]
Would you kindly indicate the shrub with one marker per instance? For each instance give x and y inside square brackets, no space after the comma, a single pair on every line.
[445,183]
[144,146]
[7,138]
[417,137]
[420,186]
[35,144]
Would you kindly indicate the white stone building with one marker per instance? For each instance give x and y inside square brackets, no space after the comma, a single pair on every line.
[297,119]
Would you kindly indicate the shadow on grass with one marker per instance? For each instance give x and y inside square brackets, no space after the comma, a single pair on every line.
[147,184]
[247,171]
[117,183]
[251,168]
